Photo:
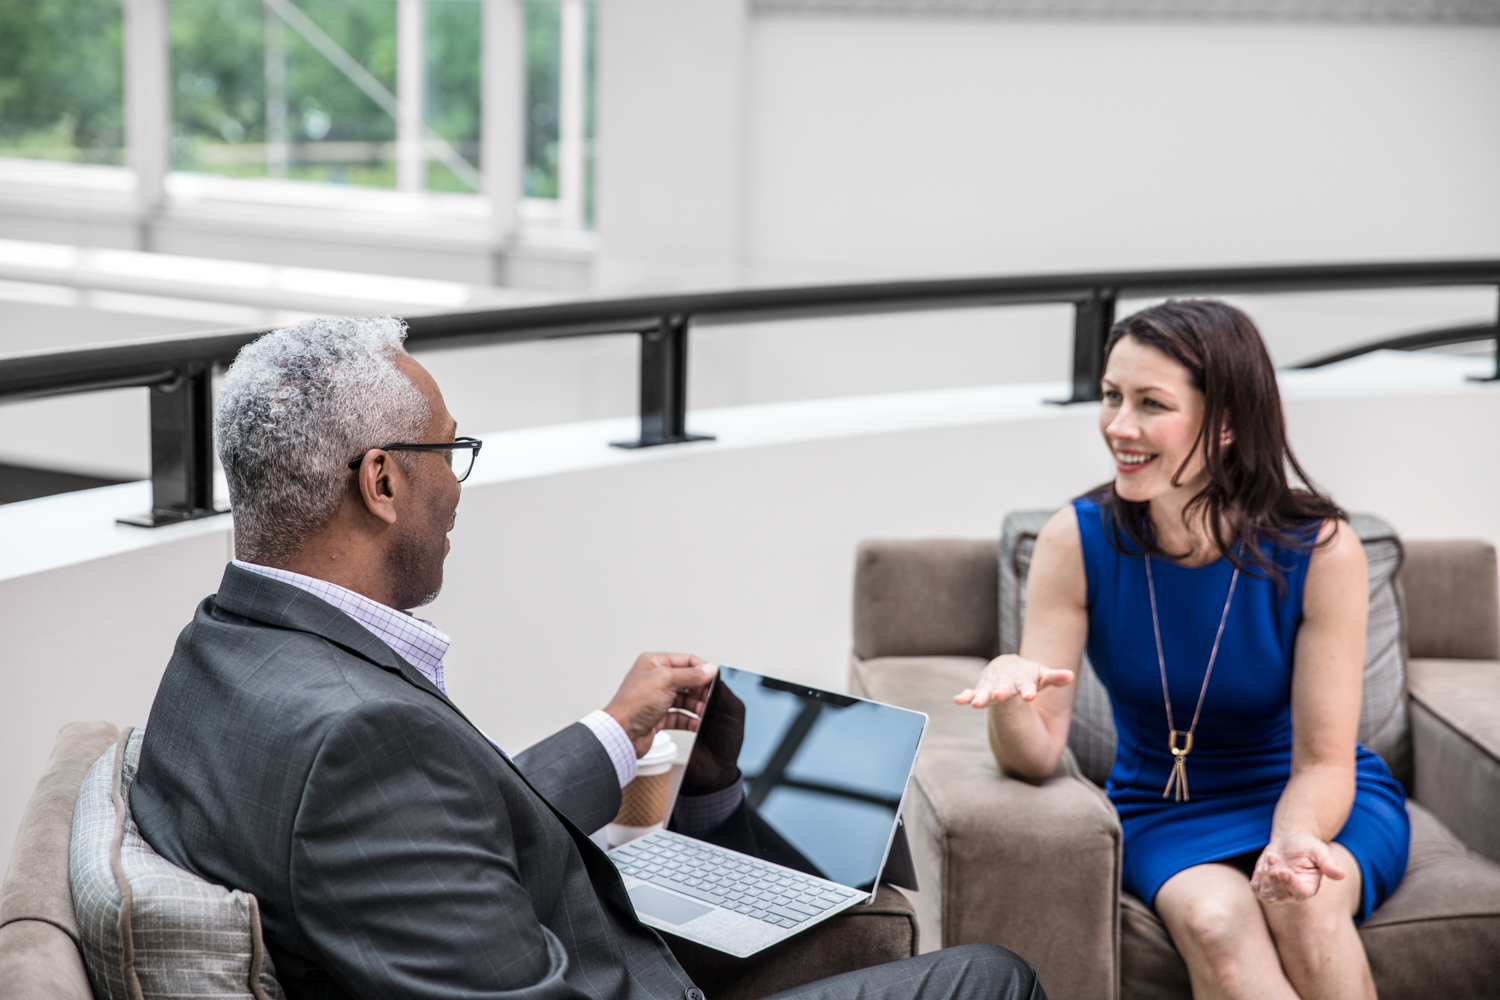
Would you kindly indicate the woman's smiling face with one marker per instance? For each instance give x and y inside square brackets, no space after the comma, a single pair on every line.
[1150,418]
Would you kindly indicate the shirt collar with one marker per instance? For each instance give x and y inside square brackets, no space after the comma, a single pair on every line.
[418,642]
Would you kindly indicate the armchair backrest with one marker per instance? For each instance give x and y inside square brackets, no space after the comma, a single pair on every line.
[1452,600]
[925,597]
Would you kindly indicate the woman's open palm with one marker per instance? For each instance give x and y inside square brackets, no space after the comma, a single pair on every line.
[1011,675]
[1291,869]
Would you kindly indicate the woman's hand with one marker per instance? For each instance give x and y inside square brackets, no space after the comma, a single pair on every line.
[1292,867]
[1010,675]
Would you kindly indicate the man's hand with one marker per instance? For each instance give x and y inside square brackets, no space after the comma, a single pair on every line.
[657,682]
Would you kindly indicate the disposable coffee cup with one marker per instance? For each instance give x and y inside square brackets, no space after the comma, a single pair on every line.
[644,802]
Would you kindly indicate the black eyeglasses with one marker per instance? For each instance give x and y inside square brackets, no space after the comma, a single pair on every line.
[469,446]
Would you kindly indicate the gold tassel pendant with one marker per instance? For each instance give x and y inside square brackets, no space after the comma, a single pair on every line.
[1178,777]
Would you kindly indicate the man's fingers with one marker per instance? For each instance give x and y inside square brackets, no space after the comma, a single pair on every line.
[694,674]
[1055,678]
[681,659]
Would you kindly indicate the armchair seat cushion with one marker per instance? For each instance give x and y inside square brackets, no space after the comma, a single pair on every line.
[1437,935]
[925,684]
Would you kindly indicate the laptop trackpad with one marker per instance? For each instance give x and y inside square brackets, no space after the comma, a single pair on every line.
[665,906]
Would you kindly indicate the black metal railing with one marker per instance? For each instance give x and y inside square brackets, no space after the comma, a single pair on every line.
[178,370]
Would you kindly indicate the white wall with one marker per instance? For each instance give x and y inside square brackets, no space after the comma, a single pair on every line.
[570,557]
[671,156]
[90,641]
[908,145]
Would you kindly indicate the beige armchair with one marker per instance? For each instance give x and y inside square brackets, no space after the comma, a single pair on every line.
[1036,868]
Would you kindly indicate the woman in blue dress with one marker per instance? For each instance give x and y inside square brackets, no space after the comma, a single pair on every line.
[1224,610]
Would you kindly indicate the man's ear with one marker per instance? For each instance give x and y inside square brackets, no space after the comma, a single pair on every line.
[378,479]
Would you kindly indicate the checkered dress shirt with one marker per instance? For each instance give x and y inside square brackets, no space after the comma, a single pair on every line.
[424,645]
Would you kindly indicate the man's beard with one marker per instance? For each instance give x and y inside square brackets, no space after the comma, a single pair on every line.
[414,563]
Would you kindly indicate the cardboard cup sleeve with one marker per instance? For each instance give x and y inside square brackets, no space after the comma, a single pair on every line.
[643,802]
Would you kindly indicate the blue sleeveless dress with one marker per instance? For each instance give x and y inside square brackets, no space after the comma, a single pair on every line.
[1242,751]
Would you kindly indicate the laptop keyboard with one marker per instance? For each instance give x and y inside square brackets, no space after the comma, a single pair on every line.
[778,896]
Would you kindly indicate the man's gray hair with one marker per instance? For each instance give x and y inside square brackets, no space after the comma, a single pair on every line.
[296,406]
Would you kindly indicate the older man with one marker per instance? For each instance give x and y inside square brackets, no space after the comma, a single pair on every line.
[302,746]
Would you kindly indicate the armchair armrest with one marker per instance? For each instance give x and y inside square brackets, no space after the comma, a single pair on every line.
[39,956]
[1455,729]
[1035,868]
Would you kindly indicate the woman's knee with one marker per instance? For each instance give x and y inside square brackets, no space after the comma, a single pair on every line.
[1218,923]
[1306,929]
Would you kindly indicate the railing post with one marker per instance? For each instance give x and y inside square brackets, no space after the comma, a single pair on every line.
[182,441]
[1092,318]
[664,386]
[1495,375]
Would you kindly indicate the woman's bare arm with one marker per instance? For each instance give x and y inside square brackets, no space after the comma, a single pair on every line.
[1030,696]
[1327,674]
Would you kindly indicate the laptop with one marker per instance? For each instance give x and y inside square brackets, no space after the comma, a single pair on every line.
[824,778]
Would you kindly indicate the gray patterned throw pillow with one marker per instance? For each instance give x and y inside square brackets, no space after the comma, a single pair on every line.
[149,930]
[1382,720]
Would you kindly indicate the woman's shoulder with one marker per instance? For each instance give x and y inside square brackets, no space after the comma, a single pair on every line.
[1061,528]
[1336,570]
[1059,557]
[1300,542]
[1335,543]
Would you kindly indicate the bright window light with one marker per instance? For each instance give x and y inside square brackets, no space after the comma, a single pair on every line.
[61,81]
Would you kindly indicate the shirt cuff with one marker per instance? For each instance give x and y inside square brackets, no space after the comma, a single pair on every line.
[612,737]
[702,813]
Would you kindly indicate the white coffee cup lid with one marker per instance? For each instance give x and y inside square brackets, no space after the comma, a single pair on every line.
[663,751]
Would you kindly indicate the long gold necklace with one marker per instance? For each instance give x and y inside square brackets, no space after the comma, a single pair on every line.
[1178,778]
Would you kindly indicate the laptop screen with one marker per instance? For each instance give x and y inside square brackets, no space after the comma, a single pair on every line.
[824,775]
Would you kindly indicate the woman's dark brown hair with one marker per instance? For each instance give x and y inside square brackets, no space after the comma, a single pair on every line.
[1248,499]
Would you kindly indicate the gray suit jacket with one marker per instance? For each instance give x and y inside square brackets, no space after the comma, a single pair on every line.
[394,851]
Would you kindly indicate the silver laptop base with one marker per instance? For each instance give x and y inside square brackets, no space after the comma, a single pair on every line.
[723,899]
